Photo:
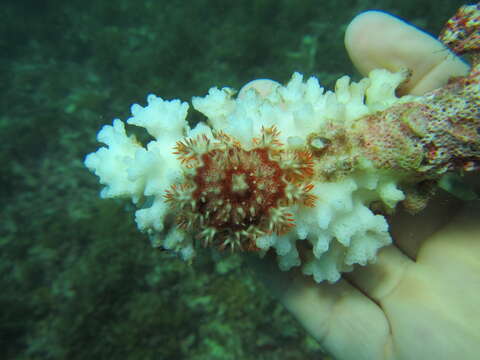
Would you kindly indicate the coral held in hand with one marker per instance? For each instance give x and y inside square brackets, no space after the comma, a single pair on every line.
[281,167]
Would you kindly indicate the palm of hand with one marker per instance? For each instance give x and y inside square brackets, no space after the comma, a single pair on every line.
[400,308]
[433,310]
[420,300]
[404,309]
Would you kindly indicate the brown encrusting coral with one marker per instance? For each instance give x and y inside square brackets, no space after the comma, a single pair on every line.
[435,133]
[461,33]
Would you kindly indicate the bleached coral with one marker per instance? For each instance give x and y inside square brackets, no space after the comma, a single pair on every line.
[265,171]
[295,169]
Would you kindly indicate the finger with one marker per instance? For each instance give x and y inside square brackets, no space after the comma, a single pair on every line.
[379,279]
[344,321]
[378,40]
[459,239]
[409,231]
[264,87]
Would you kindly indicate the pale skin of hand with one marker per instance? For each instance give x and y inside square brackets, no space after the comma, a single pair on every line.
[421,299]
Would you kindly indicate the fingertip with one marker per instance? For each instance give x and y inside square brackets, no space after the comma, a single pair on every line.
[375,39]
[264,87]
[367,40]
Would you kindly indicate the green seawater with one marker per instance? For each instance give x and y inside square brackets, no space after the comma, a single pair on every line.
[79,281]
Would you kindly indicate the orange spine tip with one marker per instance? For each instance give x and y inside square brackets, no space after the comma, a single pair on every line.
[308,187]
[309,200]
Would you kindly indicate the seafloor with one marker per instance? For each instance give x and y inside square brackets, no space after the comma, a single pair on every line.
[78,280]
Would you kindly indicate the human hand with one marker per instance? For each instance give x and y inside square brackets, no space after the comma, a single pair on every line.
[420,300]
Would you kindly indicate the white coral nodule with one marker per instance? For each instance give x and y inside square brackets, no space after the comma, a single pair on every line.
[253,176]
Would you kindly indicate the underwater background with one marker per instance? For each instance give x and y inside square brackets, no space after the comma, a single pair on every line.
[78,280]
